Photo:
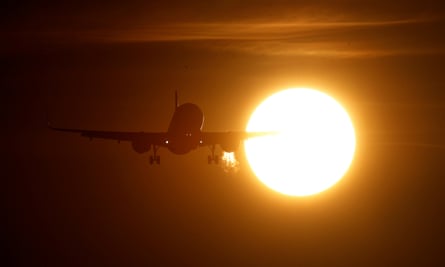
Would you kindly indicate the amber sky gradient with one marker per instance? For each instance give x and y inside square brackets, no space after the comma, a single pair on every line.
[115,66]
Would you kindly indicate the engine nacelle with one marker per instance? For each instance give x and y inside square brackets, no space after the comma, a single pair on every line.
[141,147]
[230,146]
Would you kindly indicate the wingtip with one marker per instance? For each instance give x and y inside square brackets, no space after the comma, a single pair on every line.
[48,124]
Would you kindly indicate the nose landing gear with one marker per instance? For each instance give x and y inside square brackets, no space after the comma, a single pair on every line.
[155,158]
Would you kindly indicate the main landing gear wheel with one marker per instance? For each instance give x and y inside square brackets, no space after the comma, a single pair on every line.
[213,158]
[155,158]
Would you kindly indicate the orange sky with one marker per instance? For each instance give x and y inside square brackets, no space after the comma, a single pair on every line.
[115,66]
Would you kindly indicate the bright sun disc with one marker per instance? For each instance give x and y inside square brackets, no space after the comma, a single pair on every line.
[314,145]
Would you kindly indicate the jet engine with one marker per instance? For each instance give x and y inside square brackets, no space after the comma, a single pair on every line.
[140,147]
[230,146]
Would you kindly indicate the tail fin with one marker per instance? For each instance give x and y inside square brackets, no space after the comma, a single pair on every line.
[176,99]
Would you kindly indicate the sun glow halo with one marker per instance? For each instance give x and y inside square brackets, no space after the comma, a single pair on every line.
[314,145]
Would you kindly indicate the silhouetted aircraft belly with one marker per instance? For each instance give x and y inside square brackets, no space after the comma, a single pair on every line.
[184,132]
[183,135]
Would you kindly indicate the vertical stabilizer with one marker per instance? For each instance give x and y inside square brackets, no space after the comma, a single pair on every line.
[176,99]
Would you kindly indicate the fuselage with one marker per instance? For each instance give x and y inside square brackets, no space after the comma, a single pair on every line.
[184,131]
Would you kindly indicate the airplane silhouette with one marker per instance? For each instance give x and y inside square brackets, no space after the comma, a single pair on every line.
[184,134]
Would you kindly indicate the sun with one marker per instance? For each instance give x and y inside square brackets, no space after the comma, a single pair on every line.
[313,146]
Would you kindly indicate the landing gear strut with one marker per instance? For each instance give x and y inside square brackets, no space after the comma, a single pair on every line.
[155,158]
[213,158]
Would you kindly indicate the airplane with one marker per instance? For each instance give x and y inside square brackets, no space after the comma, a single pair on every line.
[183,135]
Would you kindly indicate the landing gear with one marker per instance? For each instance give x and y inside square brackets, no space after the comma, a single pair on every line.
[212,158]
[155,158]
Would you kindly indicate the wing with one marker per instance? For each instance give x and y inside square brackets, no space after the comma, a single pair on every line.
[138,138]
[229,141]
